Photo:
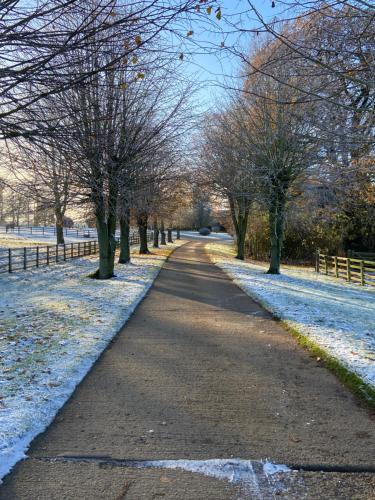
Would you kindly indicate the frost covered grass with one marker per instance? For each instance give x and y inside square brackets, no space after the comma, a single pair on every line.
[334,319]
[7,242]
[15,240]
[192,235]
[54,323]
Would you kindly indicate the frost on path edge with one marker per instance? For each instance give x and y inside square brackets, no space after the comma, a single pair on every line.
[302,298]
[15,444]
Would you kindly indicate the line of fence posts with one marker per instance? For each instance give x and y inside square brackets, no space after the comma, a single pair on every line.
[86,233]
[361,266]
[89,248]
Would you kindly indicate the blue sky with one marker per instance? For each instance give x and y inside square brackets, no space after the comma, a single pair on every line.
[215,66]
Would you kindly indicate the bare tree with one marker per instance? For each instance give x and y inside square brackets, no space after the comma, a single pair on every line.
[331,46]
[228,168]
[40,39]
[280,139]
[47,176]
[157,116]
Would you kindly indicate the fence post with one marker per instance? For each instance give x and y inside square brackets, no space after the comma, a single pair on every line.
[64,248]
[317,261]
[84,248]
[24,258]
[336,266]
[71,251]
[10,260]
[89,247]
[362,265]
[325,264]
[348,269]
[79,249]
[57,253]
[37,256]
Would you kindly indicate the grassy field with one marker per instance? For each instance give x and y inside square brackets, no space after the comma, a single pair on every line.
[16,242]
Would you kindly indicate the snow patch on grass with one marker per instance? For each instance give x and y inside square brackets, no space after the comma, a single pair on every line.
[192,235]
[15,240]
[54,324]
[338,316]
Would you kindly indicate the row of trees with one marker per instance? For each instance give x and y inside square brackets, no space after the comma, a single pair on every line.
[94,113]
[299,131]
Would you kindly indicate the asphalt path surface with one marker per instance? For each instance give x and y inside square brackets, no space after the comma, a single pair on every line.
[202,372]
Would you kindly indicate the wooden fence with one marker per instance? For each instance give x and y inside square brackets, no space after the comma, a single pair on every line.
[353,270]
[49,231]
[20,259]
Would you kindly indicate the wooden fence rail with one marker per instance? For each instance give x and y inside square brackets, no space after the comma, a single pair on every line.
[49,231]
[20,259]
[357,271]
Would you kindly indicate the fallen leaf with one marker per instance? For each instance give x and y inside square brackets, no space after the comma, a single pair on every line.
[294,439]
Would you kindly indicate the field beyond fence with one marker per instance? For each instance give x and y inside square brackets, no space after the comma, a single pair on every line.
[49,231]
[353,270]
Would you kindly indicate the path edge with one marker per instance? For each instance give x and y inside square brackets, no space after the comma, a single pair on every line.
[364,392]
[20,454]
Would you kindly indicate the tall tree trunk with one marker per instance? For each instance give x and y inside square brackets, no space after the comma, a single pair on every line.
[124,238]
[243,216]
[106,227]
[107,248]
[156,233]
[169,231]
[162,233]
[240,225]
[276,224]
[59,217]
[142,228]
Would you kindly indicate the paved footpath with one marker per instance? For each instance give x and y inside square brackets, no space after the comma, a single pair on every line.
[201,372]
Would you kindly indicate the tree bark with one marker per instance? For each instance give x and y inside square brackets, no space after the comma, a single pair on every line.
[106,227]
[59,227]
[142,228]
[240,225]
[107,248]
[124,238]
[169,231]
[276,224]
[156,233]
[162,233]
[241,236]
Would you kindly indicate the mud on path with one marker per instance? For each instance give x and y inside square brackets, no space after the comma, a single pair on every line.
[202,372]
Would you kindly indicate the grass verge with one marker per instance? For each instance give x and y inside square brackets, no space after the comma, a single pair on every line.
[348,378]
